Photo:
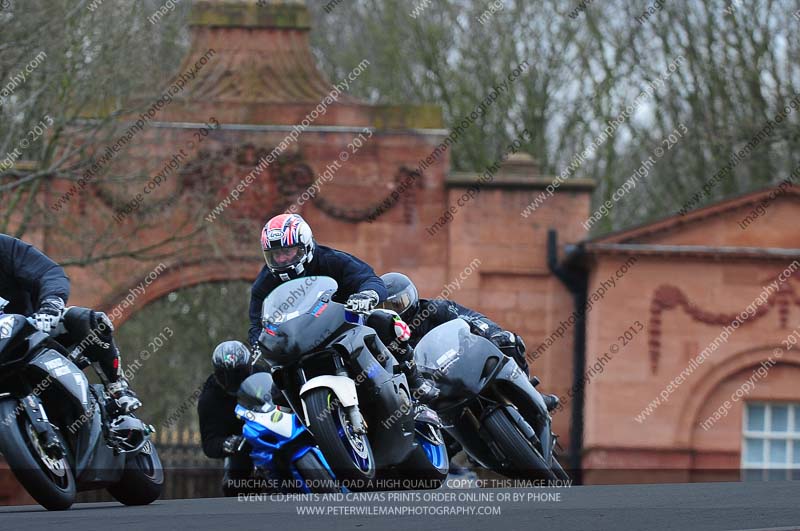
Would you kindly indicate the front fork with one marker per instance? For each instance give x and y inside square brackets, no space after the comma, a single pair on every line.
[353,412]
[357,422]
[34,410]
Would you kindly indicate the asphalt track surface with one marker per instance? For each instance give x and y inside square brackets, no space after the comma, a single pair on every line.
[696,506]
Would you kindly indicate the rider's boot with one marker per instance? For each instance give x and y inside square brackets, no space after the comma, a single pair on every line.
[126,399]
[551,401]
[422,389]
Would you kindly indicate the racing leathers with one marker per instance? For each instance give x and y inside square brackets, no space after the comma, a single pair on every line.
[433,312]
[353,276]
[38,287]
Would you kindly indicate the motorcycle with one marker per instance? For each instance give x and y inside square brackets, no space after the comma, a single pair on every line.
[58,433]
[488,404]
[281,446]
[352,394]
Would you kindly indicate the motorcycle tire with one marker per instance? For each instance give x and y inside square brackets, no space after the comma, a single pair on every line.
[143,479]
[522,460]
[318,479]
[327,421]
[52,486]
[426,468]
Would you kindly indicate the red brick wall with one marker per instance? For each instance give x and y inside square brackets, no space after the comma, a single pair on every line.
[713,288]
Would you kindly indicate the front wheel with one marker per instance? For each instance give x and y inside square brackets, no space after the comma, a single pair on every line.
[520,459]
[348,453]
[49,481]
[143,479]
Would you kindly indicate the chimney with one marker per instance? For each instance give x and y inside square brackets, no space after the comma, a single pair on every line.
[520,165]
[252,63]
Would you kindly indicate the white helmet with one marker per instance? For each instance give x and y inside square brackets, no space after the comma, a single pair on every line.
[288,245]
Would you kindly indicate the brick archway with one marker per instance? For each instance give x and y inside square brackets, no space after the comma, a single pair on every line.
[715,378]
[181,276]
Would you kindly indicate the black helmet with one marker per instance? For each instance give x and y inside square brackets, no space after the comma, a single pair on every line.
[232,364]
[403,296]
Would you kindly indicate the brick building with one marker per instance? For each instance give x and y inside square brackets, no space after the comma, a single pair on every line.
[682,279]
[707,384]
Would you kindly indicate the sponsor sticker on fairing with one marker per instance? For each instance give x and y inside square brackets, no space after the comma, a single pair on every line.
[6,326]
[55,363]
[447,358]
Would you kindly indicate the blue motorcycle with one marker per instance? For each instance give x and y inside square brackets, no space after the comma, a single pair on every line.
[283,451]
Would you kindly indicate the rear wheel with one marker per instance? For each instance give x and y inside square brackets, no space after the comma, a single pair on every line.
[49,481]
[348,453]
[142,480]
[522,460]
[316,476]
[427,466]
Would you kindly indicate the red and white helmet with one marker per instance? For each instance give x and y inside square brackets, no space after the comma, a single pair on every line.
[288,244]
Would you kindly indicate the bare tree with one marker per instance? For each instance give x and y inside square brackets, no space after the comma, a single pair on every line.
[454,53]
[69,71]
[738,67]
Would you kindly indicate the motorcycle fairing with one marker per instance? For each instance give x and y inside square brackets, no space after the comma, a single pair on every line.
[268,432]
[385,389]
[65,374]
[97,464]
[14,344]
[450,356]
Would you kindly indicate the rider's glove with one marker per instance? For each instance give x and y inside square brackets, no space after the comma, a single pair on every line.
[401,329]
[477,325]
[49,314]
[362,301]
[231,444]
[257,353]
[504,339]
[512,345]
[509,341]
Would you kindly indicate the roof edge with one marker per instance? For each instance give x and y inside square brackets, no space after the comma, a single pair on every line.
[700,251]
[463,178]
[249,14]
[673,221]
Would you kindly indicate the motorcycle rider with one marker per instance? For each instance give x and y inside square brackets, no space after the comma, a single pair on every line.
[290,252]
[38,287]
[220,429]
[422,315]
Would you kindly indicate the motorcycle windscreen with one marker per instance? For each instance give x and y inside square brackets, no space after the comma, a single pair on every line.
[295,297]
[442,345]
[298,317]
[255,391]
[14,332]
[460,362]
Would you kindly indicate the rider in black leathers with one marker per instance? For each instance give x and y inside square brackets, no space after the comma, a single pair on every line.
[291,252]
[37,287]
[220,430]
[423,315]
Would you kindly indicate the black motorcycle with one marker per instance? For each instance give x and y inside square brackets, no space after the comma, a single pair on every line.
[61,435]
[488,404]
[350,390]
